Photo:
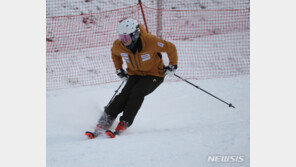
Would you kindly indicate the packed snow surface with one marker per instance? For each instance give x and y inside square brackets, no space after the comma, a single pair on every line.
[177,126]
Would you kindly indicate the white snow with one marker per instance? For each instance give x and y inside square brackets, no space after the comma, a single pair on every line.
[178,125]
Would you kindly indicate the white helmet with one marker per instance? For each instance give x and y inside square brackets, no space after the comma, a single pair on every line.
[129,26]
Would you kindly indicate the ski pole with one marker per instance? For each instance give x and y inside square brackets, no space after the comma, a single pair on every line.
[229,104]
[114,94]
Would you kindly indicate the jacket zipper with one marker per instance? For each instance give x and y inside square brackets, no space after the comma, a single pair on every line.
[140,60]
[131,60]
[137,65]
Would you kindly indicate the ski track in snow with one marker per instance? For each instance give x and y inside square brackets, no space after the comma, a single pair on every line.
[178,125]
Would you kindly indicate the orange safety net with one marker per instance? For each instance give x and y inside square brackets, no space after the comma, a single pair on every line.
[212,41]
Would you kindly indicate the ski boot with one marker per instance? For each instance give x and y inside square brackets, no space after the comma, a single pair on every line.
[105,122]
[122,126]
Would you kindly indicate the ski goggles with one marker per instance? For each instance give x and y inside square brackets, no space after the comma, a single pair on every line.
[125,38]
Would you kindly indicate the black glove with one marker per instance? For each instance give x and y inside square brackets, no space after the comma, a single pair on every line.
[170,70]
[122,74]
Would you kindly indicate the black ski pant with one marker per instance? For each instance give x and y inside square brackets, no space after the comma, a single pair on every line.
[130,99]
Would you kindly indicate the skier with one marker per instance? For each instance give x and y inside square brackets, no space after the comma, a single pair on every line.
[145,72]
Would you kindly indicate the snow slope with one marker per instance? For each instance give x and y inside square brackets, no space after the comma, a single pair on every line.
[177,125]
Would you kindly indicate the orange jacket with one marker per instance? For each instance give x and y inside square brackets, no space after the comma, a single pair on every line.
[146,62]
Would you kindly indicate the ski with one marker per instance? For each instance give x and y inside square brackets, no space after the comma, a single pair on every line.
[111,134]
[93,135]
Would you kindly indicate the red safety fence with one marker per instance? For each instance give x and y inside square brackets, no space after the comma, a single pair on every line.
[211,41]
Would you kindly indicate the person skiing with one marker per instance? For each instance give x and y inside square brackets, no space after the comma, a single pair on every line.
[145,72]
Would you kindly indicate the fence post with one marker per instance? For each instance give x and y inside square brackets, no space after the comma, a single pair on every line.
[143,14]
[159,18]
